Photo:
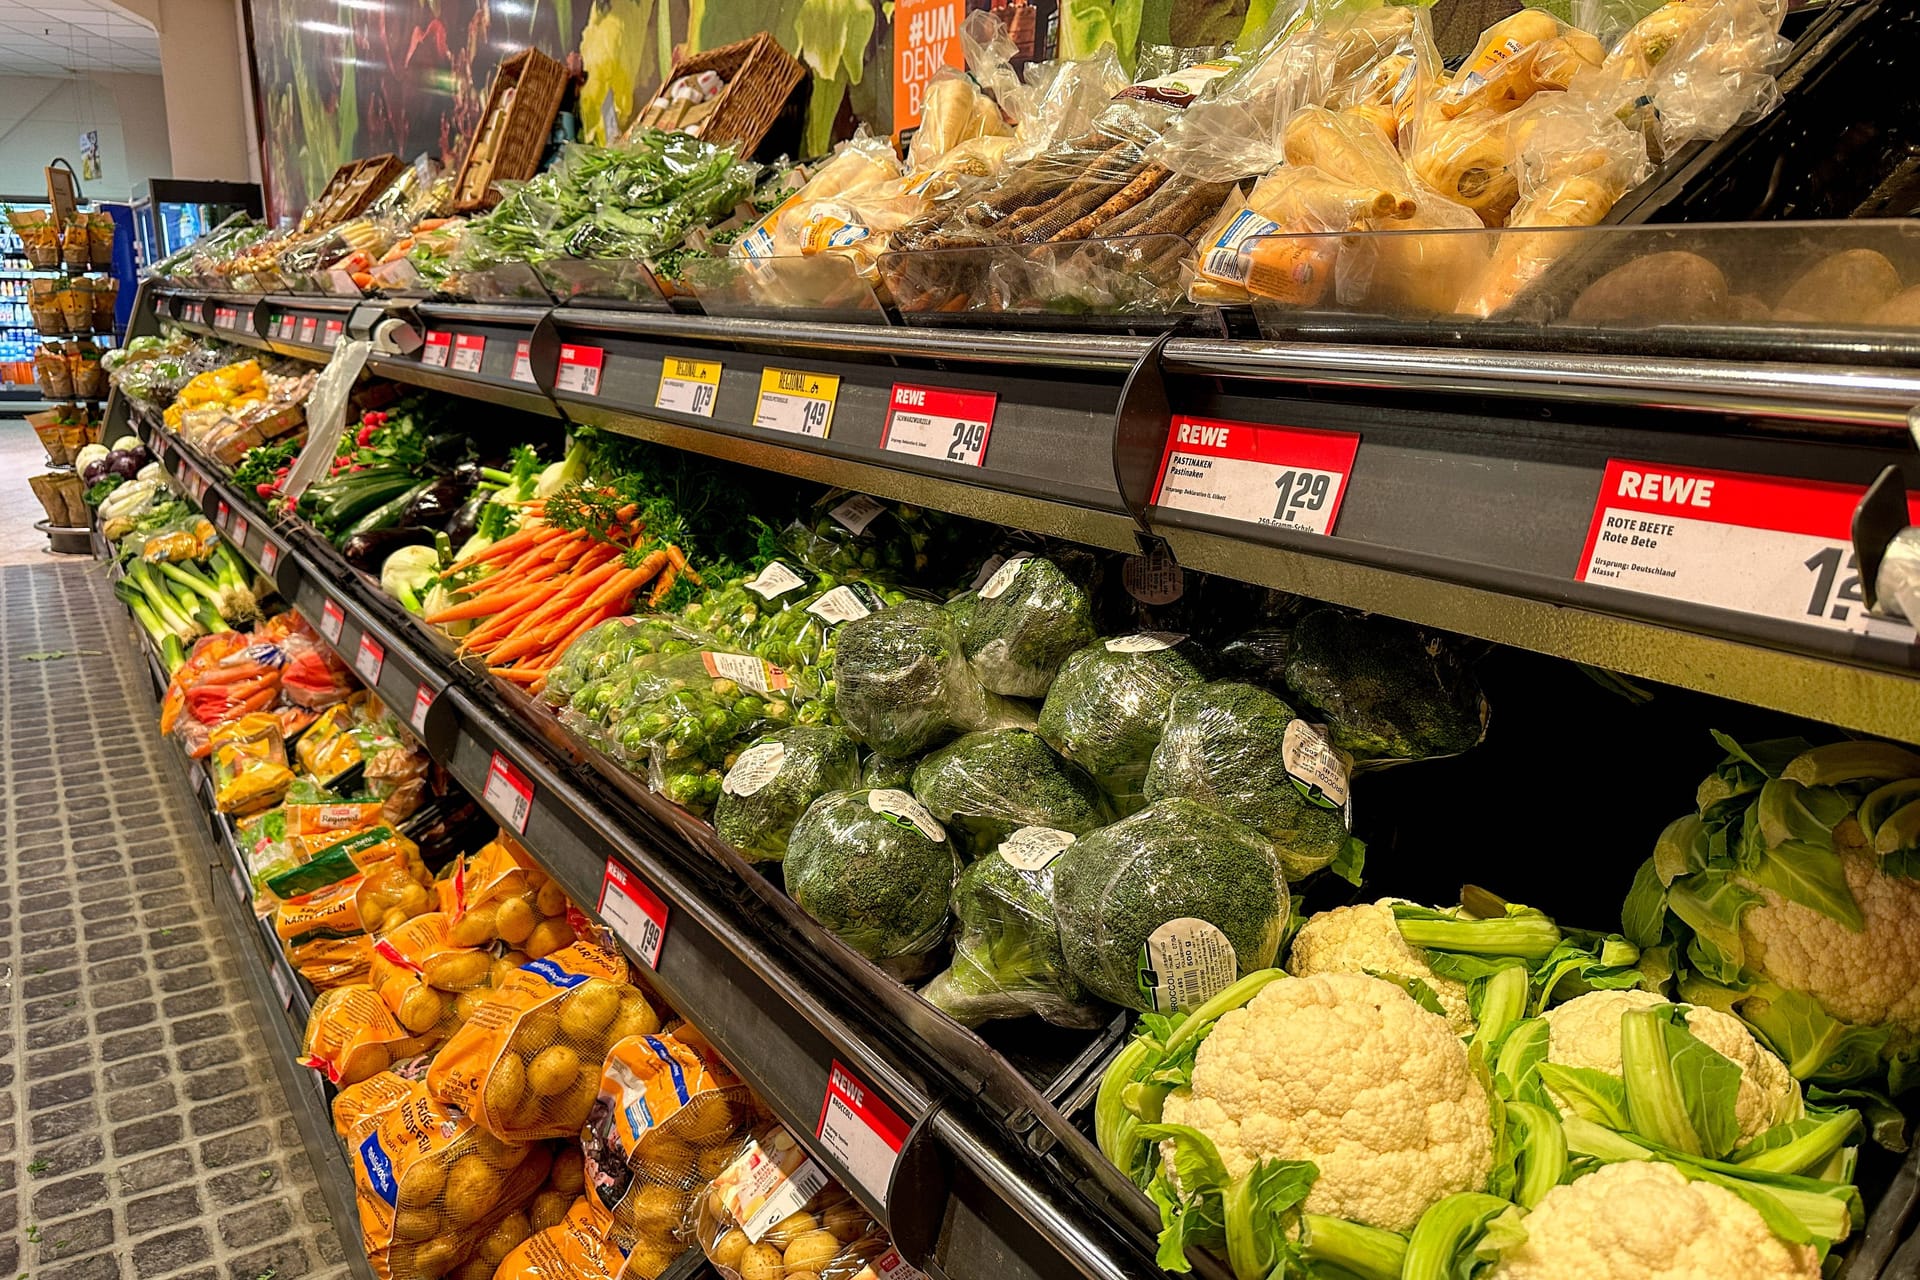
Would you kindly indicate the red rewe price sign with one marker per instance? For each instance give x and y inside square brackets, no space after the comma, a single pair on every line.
[309,326]
[862,1131]
[439,349]
[579,369]
[1280,477]
[933,422]
[468,350]
[1770,545]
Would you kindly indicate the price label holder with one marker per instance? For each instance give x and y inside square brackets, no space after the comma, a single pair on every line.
[223,517]
[241,528]
[423,700]
[468,350]
[1772,545]
[332,618]
[508,793]
[634,911]
[309,329]
[862,1130]
[369,658]
[579,370]
[523,362]
[798,402]
[1277,477]
[336,329]
[933,422]
[439,349]
[269,558]
[688,386]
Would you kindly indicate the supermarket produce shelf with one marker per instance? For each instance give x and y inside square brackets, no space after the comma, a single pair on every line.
[1466,501]
[930,1149]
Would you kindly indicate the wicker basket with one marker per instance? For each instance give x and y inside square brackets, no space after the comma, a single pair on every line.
[514,137]
[760,77]
[354,185]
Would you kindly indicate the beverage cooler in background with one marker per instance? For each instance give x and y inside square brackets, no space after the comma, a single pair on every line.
[171,213]
[18,337]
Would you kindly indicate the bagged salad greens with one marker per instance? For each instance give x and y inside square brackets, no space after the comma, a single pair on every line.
[902,685]
[773,781]
[876,869]
[1107,705]
[984,786]
[1026,619]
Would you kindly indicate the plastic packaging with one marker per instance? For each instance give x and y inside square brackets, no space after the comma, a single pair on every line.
[1717,71]
[1387,691]
[249,764]
[875,868]
[1515,58]
[351,1035]
[1030,615]
[1107,705]
[1240,750]
[1007,959]
[774,1214]
[773,781]
[576,1248]
[1164,910]
[421,974]
[983,786]
[902,683]
[500,894]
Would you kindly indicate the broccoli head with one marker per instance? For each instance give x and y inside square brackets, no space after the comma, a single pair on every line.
[1025,621]
[1106,707]
[774,780]
[1167,908]
[888,772]
[1007,961]
[984,786]
[901,683]
[1224,745]
[1386,690]
[876,869]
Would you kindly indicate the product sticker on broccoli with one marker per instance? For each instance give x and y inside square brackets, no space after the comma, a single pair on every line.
[757,766]
[1315,763]
[775,580]
[1154,579]
[857,512]
[1033,848]
[745,670]
[1002,578]
[903,810]
[987,570]
[1185,963]
[844,604]
[1144,642]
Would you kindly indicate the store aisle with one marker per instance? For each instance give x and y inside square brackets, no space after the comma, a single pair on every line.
[143,1135]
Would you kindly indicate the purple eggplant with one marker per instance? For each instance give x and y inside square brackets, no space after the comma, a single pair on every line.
[368,551]
[438,503]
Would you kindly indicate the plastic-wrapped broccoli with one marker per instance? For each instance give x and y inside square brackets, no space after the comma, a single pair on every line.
[901,685]
[1108,703]
[876,869]
[1242,751]
[983,786]
[1166,909]
[1029,616]
[1387,691]
[800,639]
[1007,961]
[888,772]
[774,780]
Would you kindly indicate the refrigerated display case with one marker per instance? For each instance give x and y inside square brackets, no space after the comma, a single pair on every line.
[171,213]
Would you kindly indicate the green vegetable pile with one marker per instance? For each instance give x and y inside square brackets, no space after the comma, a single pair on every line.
[1106,709]
[985,786]
[1387,691]
[874,867]
[1026,619]
[773,781]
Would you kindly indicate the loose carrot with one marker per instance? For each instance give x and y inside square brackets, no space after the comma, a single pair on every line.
[627,583]
[485,605]
[519,675]
[662,585]
[679,559]
[586,624]
[511,545]
[502,624]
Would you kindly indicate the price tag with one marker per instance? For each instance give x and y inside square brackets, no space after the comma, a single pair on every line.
[336,329]
[579,369]
[160,445]
[269,557]
[508,793]
[369,658]
[240,531]
[223,517]
[522,362]
[422,703]
[282,985]
[932,422]
[439,349]
[283,326]
[858,1126]
[222,317]
[1280,477]
[1770,545]
[801,403]
[331,618]
[468,348]
[309,327]
[688,386]
[634,911]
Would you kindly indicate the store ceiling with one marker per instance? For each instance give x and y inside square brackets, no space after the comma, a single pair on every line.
[62,37]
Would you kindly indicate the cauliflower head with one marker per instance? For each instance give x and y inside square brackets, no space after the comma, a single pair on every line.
[1585,1032]
[1641,1220]
[1349,1072]
[1364,937]
[1871,978]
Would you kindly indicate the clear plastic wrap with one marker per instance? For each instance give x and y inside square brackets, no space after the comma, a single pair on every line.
[850,535]
[499,894]
[881,773]
[1007,960]
[1028,617]
[875,868]
[774,780]
[1387,691]
[902,683]
[774,1214]
[1164,910]
[575,1248]
[1107,705]
[1517,57]
[1716,71]
[1239,749]
[983,786]
[1897,585]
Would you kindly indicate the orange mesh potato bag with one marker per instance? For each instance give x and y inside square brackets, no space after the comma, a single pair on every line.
[332,962]
[352,1036]
[358,1108]
[500,893]
[383,897]
[774,1214]
[573,1250]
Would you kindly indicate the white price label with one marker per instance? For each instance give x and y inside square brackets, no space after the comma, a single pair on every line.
[332,618]
[522,362]
[422,704]
[688,386]
[797,402]
[160,445]
[240,531]
[309,329]
[369,658]
[439,349]
[223,516]
[336,329]
[468,350]
[508,793]
[634,912]
[579,369]
[862,1131]
[775,580]
[1280,477]
[933,422]
[239,884]
[269,557]
[1769,545]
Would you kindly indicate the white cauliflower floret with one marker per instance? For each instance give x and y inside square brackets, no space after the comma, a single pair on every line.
[1358,938]
[1640,1220]
[1585,1032]
[1349,1072]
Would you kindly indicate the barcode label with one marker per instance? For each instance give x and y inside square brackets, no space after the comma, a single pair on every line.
[508,793]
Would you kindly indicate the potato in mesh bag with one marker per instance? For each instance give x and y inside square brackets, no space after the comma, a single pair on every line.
[420,973]
[328,962]
[374,901]
[573,1249]
[351,1035]
[359,1108]
[774,1214]
[526,1065]
[432,1186]
[501,894]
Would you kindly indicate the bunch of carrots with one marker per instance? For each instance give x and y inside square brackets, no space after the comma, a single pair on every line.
[542,587]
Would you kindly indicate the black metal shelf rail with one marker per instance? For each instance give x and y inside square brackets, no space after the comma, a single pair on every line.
[959,1198]
[1474,481]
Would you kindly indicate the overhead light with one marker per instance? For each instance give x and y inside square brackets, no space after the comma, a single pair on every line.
[324,28]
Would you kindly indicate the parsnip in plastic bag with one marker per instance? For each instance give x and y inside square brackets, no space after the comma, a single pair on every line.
[953,111]
[1718,71]
[1516,57]
[1255,250]
[1417,266]
[864,165]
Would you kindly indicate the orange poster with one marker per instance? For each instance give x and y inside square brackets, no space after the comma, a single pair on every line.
[926,37]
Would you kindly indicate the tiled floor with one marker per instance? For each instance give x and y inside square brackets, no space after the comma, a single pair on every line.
[143,1134]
